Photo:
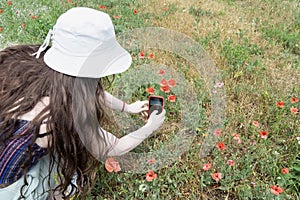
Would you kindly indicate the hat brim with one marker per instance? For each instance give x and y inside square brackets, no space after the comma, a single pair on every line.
[99,63]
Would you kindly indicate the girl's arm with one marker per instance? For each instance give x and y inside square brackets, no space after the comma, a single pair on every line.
[117,104]
[120,146]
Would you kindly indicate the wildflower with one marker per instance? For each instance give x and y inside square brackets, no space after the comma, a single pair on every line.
[221,146]
[143,187]
[172,83]
[264,134]
[217,176]
[237,137]
[111,165]
[219,85]
[255,123]
[135,11]
[172,98]
[276,189]
[230,162]
[150,90]
[1,29]
[218,132]
[69,1]
[280,104]
[151,161]
[285,170]
[294,110]
[9,3]
[103,7]
[151,56]
[206,166]
[165,89]
[294,99]
[163,82]
[298,139]
[160,72]
[23,25]
[142,54]
[117,16]
[32,16]
[1,11]
[165,8]
[252,183]
[150,176]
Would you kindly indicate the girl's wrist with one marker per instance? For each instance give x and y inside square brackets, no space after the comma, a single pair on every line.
[123,107]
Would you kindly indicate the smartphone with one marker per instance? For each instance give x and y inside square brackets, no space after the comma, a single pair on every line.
[155,103]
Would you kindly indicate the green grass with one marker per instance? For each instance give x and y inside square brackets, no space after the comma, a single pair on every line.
[255,45]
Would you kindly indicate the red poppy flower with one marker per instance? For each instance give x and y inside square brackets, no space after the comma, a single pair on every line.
[236,136]
[135,11]
[165,89]
[111,165]
[294,99]
[160,72]
[255,123]
[9,3]
[1,29]
[218,132]
[165,8]
[285,170]
[280,104]
[171,82]
[1,11]
[276,189]
[264,134]
[69,1]
[206,166]
[151,56]
[150,90]
[32,16]
[221,146]
[151,161]
[117,16]
[294,110]
[150,176]
[103,7]
[230,162]
[142,54]
[172,98]
[163,82]
[217,176]
[23,25]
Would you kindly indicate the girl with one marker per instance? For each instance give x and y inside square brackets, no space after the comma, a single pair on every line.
[53,109]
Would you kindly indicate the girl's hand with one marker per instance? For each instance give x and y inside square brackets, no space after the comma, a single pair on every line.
[136,107]
[156,120]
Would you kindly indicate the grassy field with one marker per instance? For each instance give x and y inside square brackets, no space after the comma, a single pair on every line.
[256,48]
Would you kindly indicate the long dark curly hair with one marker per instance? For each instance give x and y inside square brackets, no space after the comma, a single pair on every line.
[24,81]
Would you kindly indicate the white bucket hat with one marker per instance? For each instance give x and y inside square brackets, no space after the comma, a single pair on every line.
[84,45]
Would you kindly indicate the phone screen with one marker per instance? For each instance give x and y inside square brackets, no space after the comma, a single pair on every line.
[156,103]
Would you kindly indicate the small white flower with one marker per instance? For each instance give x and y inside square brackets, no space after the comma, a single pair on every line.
[143,187]
[298,138]
[219,85]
